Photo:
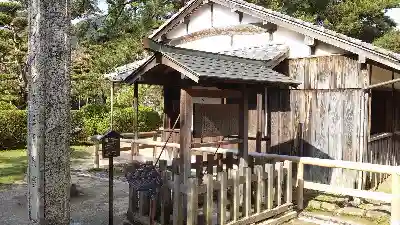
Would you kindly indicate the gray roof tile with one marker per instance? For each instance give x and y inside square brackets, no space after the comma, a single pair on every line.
[265,52]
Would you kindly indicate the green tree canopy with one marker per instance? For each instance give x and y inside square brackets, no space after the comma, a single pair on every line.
[390,40]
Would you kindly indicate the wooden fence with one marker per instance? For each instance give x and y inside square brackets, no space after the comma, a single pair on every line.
[220,193]
[383,149]
[224,156]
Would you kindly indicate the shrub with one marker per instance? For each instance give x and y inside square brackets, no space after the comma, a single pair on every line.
[77,122]
[94,110]
[7,106]
[92,120]
[13,128]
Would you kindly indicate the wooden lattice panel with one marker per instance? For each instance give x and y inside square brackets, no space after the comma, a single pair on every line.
[211,120]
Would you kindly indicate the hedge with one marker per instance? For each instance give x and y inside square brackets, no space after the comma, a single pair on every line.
[91,120]
[13,129]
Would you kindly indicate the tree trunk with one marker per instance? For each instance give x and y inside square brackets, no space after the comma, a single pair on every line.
[49,112]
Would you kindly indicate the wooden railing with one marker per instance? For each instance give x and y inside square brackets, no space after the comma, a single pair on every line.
[256,193]
[301,184]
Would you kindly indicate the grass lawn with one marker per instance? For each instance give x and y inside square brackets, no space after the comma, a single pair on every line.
[13,163]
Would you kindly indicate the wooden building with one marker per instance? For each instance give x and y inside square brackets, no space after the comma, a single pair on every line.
[310,91]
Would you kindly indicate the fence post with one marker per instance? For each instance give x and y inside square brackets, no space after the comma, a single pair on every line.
[236,200]
[177,204]
[395,212]
[155,148]
[96,155]
[289,183]
[222,198]
[208,201]
[300,185]
[192,202]
[258,169]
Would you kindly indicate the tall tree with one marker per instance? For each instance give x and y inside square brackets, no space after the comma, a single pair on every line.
[49,112]
[13,39]
[390,41]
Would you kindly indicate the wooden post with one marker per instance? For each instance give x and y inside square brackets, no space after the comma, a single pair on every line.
[260,187]
[300,185]
[278,186]
[155,148]
[289,181]
[112,105]
[247,192]
[177,201]
[192,202]
[96,155]
[244,129]
[164,194]
[236,201]
[186,112]
[395,211]
[222,198]
[259,122]
[243,134]
[208,201]
[269,168]
[135,147]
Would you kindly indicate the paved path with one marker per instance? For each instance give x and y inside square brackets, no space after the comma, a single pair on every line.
[89,209]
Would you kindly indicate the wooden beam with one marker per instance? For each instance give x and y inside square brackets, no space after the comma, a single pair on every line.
[216,144]
[166,60]
[362,59]
[209,93]
[263,215]
[310,41]
[382,84]
[186,112]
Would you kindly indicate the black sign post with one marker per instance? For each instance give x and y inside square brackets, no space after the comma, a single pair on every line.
[110,143]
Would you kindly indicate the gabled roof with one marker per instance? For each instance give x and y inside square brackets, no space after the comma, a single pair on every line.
[122,72]
[271,54]
[363,49]
[200,66]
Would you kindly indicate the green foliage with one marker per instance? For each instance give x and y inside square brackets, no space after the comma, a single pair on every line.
[7,106]
[94,110]
[123,119]
[149,96]
[83,8]
[390,40]
[13,128]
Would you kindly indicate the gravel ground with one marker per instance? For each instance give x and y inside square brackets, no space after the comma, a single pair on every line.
[91,208]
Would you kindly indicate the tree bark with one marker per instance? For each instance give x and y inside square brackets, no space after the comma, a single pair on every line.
[49,112]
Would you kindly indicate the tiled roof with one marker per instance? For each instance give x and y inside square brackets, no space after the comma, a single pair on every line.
[265,52]
[122,72]
[217,68]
